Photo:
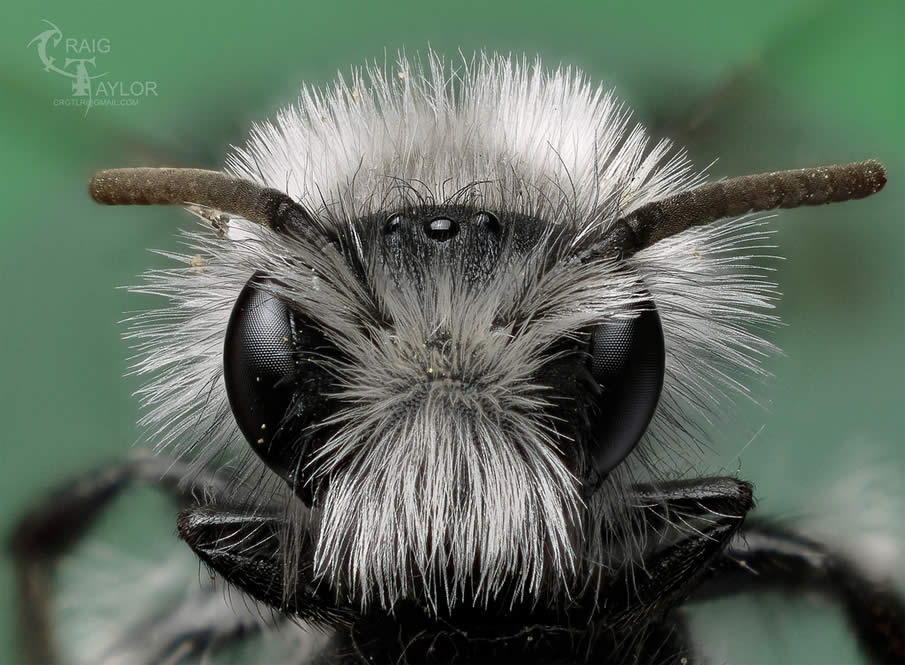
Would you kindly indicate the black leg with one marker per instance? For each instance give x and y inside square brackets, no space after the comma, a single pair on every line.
[56,522]
[763,557]
[248,551]
[52,526]
[686,524]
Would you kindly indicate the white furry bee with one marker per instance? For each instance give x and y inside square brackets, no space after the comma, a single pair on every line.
[432,373]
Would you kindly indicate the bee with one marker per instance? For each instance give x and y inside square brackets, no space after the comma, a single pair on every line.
[431,377]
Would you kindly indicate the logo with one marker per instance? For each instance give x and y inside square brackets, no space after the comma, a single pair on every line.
[77,59]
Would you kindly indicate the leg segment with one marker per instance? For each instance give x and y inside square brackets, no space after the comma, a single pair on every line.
[763,557]
[54,524]
[249,551]
[58,521]
[688,524]
[684,526]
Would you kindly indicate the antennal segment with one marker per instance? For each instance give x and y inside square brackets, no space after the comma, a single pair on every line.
[212,189]
[657,220]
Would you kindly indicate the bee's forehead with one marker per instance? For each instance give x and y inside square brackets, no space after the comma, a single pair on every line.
[411,243]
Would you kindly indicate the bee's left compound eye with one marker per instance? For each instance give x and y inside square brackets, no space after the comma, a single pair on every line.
[275,388]
[627,359]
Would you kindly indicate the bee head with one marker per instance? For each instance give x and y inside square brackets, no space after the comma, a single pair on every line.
[463,388]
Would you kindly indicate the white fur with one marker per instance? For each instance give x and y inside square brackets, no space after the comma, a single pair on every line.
[513,136]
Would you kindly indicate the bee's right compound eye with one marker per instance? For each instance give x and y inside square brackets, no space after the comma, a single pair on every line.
[627,359]
[275,388]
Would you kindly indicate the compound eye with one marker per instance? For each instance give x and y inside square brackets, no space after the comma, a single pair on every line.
[278,387]
[259,362]
[627,358]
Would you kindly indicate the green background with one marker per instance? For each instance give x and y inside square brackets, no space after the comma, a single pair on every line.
[760,85]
